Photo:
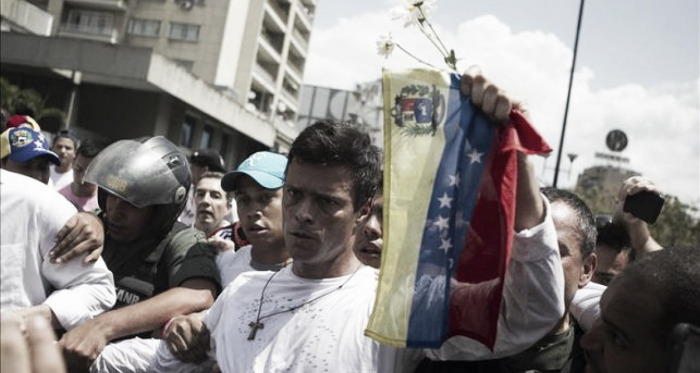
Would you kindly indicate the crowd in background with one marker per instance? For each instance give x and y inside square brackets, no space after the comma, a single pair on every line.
[136,258]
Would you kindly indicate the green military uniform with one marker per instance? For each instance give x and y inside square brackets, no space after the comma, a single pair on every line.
[150,266]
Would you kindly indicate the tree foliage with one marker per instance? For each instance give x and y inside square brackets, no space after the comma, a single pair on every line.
[15,99]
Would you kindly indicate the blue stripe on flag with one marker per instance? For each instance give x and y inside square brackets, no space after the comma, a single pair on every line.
[468,141]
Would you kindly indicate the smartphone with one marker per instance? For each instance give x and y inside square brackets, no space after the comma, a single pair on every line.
[644,205]
[685,340]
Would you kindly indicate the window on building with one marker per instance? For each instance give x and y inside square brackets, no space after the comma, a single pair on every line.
[89,22]
[187,131]
[224,145]
[144,27]
[184,31]
[205,139]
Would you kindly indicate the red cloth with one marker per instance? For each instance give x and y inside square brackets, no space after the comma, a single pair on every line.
[484,259]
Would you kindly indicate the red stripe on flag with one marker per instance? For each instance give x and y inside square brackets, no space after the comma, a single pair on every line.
[477,291]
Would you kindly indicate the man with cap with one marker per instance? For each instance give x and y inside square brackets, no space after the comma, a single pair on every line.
[201,162]
[26,151]
[257,186]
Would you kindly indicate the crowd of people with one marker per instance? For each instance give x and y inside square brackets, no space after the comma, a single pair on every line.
[132,257]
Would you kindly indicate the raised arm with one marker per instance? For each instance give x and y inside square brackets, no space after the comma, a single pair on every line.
[640,239]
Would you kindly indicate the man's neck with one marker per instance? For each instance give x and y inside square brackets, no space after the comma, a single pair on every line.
[272,254]
[342,266]
[62,169]
[79,191]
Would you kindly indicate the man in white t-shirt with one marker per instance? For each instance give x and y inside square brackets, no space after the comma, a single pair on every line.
[65,146]
[65,295]
[311,316]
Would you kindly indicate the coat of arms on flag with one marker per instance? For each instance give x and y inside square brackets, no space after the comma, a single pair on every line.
[449,204]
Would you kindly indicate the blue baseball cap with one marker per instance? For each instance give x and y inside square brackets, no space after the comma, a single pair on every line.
[266,168]
[23,144]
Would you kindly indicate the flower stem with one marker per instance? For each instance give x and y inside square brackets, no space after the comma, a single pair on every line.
[416,58]
[444,49]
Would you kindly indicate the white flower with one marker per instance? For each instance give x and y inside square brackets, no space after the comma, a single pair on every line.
[385,46]
[413,12]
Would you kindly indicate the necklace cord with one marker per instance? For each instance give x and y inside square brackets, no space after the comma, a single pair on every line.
[262,295]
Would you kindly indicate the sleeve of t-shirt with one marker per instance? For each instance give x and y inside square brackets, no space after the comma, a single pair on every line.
[192,257]
[82,290]
[533,298]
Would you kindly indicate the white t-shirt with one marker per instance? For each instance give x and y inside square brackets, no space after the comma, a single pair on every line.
[58,180]
[32,214]
[233,263]
[326,334]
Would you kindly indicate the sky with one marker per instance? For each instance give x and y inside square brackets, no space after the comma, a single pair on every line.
[637,70]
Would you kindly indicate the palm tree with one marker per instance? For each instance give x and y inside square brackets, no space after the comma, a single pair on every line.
[16,100]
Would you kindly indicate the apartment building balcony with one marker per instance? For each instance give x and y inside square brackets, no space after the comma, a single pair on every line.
[301,39]
[27,17]
[294,73]
[272,44]
[103,34]
[281,10]
[263,77]
[115,5]
[304,14]
[272,19]
[290,91]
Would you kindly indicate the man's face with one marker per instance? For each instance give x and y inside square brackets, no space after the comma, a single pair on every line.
[126,222]
[65,149]
[369,244]
[577,272]
[610,263]
[260,214]
[210,204]
[79,167]
[36,168]
[626,338]
[320,223]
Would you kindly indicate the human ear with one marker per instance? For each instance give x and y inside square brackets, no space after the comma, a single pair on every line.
[589,266]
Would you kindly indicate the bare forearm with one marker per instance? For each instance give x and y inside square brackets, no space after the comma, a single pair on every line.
[529,208]
[151,314]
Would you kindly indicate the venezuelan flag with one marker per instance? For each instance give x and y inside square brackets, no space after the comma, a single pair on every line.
[449,206]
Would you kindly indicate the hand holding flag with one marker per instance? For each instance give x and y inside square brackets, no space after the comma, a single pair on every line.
[450,207]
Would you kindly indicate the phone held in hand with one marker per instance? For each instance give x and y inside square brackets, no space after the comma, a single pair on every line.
[644,205]
[685,340]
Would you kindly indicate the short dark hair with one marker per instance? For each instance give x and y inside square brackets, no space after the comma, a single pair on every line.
[332,143]
[67,135]
[672,274]
[90,148]
[614,235]
[587,227]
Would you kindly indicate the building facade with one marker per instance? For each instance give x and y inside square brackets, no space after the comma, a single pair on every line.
[226,62]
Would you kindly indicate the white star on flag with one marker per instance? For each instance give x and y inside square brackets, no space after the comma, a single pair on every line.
[446,244]
[39,145]
[445,201]
[442,223]
[475,156]
[454,180]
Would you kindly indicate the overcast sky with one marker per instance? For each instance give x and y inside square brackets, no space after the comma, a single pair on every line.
[637,71]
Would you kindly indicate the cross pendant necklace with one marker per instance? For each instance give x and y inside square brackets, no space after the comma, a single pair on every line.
[257,324]
[254,326]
